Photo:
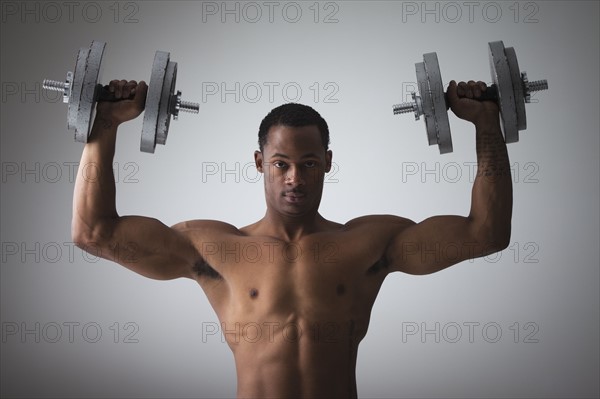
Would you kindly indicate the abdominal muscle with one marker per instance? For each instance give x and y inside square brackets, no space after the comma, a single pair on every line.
[294,358]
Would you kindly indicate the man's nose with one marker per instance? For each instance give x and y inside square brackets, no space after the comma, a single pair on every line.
[294,176]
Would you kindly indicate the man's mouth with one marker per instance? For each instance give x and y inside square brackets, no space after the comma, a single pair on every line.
[294,196]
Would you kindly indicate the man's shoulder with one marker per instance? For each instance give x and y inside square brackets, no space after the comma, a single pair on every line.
[374,221]
[206,226]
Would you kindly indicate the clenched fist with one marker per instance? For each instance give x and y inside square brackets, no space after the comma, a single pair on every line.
[126,108]
[463,102]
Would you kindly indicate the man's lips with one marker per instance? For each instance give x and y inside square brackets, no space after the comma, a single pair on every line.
[294,196]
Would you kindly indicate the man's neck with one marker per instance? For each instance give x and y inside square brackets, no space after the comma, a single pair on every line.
[290,228]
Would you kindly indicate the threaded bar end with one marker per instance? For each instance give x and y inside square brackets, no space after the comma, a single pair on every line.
[54,85]
[538,85]
[187,106]
[403,108]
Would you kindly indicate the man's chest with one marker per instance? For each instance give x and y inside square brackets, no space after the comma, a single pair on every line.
[320,277]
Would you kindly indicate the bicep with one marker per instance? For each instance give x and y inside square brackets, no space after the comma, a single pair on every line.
[435,244]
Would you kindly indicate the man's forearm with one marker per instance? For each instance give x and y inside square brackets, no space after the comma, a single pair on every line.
[491,206]
[94,197]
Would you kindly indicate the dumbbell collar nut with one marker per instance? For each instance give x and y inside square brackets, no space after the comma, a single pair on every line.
[176,101]
[525,82]
[418,105]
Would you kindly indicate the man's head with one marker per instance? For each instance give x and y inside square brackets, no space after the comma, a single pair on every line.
[294,157]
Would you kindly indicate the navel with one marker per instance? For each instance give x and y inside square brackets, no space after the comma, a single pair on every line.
[253,293]
[340,289]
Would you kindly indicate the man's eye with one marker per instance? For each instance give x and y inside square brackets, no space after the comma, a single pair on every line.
[279,164]
[310,164]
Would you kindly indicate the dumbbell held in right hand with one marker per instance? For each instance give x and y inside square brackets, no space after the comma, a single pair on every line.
[81,91]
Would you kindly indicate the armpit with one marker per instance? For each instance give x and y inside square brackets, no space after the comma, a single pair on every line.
[381,264]
[203,269]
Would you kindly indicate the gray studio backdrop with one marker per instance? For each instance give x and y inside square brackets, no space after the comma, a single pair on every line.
[520,323]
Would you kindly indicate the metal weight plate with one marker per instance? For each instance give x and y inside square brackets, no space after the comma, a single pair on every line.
[153,101]
[515,76]
[506,95]
[87,96]
[164,111]
[427,103]
[440,113]
[76,87]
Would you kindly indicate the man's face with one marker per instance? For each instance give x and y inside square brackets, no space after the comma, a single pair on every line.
[294,163]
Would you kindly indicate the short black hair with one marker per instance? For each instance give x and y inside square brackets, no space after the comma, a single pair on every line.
[293,115]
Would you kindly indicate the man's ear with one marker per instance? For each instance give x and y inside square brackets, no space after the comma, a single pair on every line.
[258,161]
[328,158]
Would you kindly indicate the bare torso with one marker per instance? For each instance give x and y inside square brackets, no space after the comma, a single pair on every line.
[293,313]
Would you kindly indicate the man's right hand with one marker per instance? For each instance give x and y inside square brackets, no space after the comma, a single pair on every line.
[126,109]
[463,102]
